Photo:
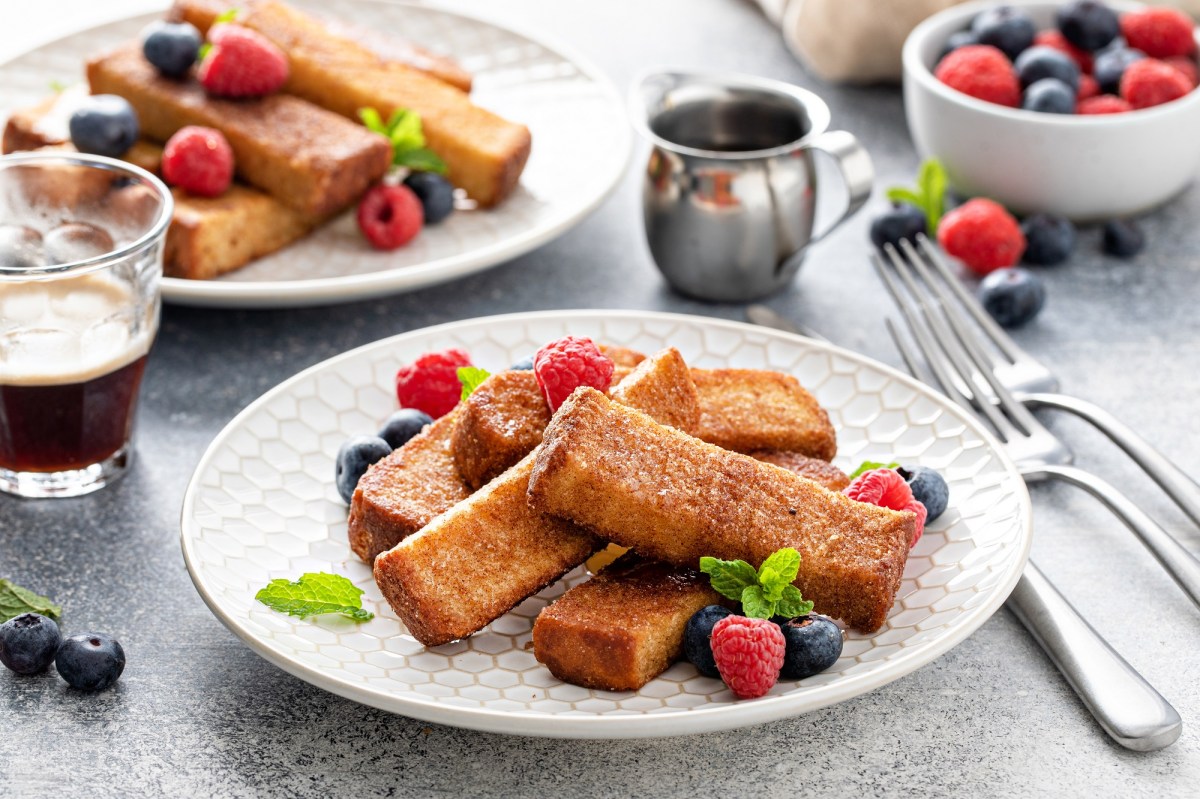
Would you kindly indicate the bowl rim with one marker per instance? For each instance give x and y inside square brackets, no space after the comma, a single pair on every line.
[915,69]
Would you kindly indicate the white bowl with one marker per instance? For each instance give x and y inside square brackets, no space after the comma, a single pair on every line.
[1081,167]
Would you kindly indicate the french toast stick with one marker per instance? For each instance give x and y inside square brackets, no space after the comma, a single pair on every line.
[305,156]
[623,627]
[814,469]
[484,153]
[481,558]
[671,497]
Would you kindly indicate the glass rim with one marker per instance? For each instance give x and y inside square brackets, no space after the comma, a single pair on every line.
[142,243]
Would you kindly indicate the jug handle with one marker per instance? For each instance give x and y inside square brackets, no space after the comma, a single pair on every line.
[858,172]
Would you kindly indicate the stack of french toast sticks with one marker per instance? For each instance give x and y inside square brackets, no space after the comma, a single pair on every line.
[301,155]
[500,498]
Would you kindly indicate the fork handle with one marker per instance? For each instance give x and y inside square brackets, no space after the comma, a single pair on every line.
[1178,562]
[1129,709]
[1173,480]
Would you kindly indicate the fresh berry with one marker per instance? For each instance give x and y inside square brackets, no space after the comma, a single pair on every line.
[20,247]
[1187,67]
[104,124]
[28,643]
[1049,239]
[430,383]
[1111,65]
[1012,296]
[1006,28]
[1151,82]
[887,489]
[901,222]
[403,425]
[1088,24]
[353,459]
[1159,32]
[75,241]
[983,72]
[1104,104]
[90,661]
[749,654]
[568,363]
[928,487]
[982,235]
[697,638]
[171,47]
[435,193]
[390,216]
[813,644]
[1088,87]
[1055,39]
[242,63]
[523,365]
[1038,63]
[955,41]
[1049,96]
[1123,238]
[199,161]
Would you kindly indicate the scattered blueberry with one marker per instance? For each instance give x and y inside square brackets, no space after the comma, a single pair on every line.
[814,643]
[353,459]
[1040,62]
[104,124]
[1088,24]
[928,487]
[403,425]
[20,247]
[28,643]
[523,365]
[1110,66]
[1012,296]
[1123,238]
[697,638]
[435,193]
[1049,96]
[76,241]
[90,661]
[901,222]
[1006,28]
[1049,239]
[171,47]
[957,40]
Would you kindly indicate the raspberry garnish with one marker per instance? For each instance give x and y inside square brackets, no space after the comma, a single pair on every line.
[390,216]
[1151,82]
[1088,87]
[242,63]
[564,365]
[983,235]
[749,654]
[198,160]
[983,72]
[1158,32]
[1187,66]
[430,383]
[1055,39]
[887,489]
[1104,104]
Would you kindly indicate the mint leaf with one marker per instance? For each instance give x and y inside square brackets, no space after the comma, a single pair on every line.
[315,594]
[421,160]
[899,194]
[57,86]
[929,196]
[781,568]
[792,604]
[202,53]
[471,377]
[15,600]
[228,15]
[867,466]
[373,122]
[755,604]
[403,129]
[765,593]
[729,578]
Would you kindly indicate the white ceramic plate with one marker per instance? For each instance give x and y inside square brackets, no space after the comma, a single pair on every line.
[581,144]
[262,505]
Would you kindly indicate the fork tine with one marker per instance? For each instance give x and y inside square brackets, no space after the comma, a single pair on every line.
[911,358]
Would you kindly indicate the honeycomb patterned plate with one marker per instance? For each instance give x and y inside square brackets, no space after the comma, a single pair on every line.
[581,145]
[262,505]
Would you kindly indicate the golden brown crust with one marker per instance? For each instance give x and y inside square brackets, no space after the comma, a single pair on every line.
[622,356]
[674,498]
[662,382]
[814,469]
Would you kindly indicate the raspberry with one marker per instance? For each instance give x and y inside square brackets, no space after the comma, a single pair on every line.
[982,235]
[242,63]
[564,365]
[1151,82]
[1187,66]
[430,383]
[199,161]
[390,216]
[887,489]
[983,72]
[1159,32]
[749,654]
[1054,39]
[1088,87]
[1103,104]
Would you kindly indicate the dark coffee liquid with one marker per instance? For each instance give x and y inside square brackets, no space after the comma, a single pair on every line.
[53,428]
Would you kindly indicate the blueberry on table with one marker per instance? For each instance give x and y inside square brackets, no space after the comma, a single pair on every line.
[403,425]
[1088,24]
[353,459]
[928,487]
[814,643]
[1006,28]
[1111,65]
[1123,238]
[90,661]
[1012,296]
[20,247]
[435,193]
[29,642]
[1049,96]
[1049,239]
[697,638]
[1041,62]
[104,124]
[902,222]
[171,47]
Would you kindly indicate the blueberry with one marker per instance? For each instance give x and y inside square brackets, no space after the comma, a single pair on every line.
[28,643]
[403,425]
[957,40]
[353,459]
[523,365]
[902,222]
[1006,28]
[76,241]
[928,487]
[1123,238]
[20,247]
[1037,63]
[90,661]
[1110,66]
[1049,96]
[1012,296]
[435,193]
[1049,239]
[171,47]
[1088,24]
[814,643]
[697,638]
[104,124]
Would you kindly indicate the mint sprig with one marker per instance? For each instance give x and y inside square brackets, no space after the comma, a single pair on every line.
[15,600]
[764,593]
[929,195]
[471,377]
[403,130]
[228,15]
[867,466]
[315,594]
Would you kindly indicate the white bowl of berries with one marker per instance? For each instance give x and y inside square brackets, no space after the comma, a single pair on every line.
[1083,109]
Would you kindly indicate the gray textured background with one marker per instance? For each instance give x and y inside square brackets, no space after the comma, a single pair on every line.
[198,714]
